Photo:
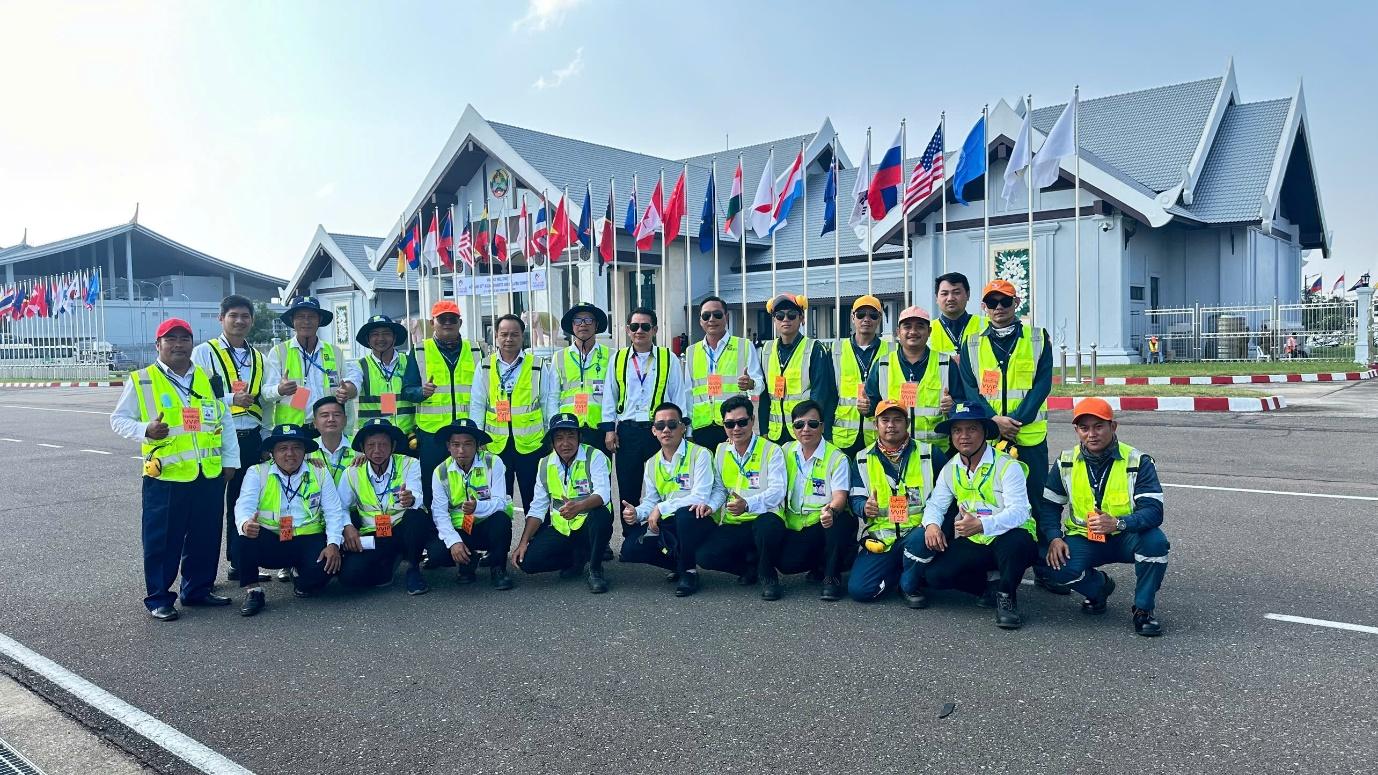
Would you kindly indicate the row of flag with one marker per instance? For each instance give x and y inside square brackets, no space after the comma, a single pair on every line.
[50,297]
[1339,284]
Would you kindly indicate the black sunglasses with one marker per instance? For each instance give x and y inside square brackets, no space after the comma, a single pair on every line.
[787,315]
[799,425]
[862,314]
[994,301]
[716,314]
[742,423]
[666,425]
[634,327]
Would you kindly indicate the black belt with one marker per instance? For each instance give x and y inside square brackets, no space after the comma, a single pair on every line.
[247,432]
[635,423]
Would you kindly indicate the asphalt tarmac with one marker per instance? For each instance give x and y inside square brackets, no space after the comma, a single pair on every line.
[547,678]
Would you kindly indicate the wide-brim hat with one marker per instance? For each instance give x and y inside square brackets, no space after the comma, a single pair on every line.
[289,432]
[375,426]
[971,412]
[306,302]
[399,332]
[463,426]
[564,421]
[600,318]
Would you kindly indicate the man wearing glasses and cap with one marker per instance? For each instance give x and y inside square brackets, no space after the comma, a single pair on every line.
[720,366]
[379,375]
[304,369]
[577,372]
[469,505]
[796,368]
[853,362]
[918,379]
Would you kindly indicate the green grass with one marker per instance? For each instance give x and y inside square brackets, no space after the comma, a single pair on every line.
[1205,369]
[1161,391]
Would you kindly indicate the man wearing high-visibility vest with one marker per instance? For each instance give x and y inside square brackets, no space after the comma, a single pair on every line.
[1114,505]
[379,375]
[853,361]
[439,381]
[994,530]
[470,507]
[508,395]
[304,369]
[569,520]
[190,451]
[334,452]
[289,517]
[893,479]
[796,367]
[955,324]
[918,379]
[576,373]
[240,370]
[720,366]
[382,495]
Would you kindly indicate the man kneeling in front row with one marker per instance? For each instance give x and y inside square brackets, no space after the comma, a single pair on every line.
[383,490]
[469,505]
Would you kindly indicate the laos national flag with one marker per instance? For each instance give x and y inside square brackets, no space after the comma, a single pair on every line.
[885,182]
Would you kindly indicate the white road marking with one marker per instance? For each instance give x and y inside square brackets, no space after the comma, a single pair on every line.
[52,409]
[185,748]
[16,441]
[1276,492]
[1323,623]
[96,451]
[50,446]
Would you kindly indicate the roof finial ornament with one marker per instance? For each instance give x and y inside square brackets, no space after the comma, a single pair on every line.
[24,240]
[135,219]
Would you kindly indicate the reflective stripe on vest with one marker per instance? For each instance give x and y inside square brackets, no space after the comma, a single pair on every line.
[183,454]
[939,341]
[729,367]
[848,420]
[294,368]
[925,415]
[796,374]
[376,384]
[575,379]
[475,485]
[1015,381]
[621,363]
[1116,501]
[231,374]
[526,425]
[305,508]
[450,401]
[802,512]
[366,498]
[579,486]
[737,480]
[981,491]
[917,481]
[681,479]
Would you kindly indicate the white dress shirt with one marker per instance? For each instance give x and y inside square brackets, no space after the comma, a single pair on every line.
[641,389]
[243,357]
[440,497]
[269,475]
[332,458]
[354,373]
[697,491]
[599,477]
[550,385]
[837,477]
[479,398]
[751,359]
[1011,495]
[126,419]
[411,480]
[315,380]
[771,497]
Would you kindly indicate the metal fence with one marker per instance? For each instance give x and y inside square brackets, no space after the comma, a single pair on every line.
[1321,330]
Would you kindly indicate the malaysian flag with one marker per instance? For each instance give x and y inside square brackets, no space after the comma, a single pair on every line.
[928,173]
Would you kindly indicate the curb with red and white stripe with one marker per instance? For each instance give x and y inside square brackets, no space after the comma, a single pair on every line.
[109,383]
[1177,403]
[1238,379]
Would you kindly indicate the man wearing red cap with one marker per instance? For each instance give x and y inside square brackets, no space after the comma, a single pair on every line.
[190,451]
[1114,505]
[796,368]
[918,379]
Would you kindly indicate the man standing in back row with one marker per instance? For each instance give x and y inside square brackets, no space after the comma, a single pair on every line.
[304,369]
[852,363]
[720,366]
[796,368]
[955,324]
[576,373]
[438,379]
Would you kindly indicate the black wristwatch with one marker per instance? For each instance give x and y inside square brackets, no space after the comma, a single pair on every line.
[1119,525]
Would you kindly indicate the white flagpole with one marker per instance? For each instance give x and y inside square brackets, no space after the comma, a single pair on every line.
[714,215]
[492,276]
[904,216]
[870,251]
[1076,211]
[454,260]
[472,270]
[661,284]
[100,301]
[804,230]
[406,300]
[636,244]
[549,303]
[1028,183]
[741,240]
[985,191]
[528,228]
[569,270]
[511,292]
[688,265]
[942,183]
[772,229]
[837,253]
[613,328]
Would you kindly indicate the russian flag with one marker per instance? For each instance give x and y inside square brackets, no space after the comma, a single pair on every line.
[790,190]
[885,182]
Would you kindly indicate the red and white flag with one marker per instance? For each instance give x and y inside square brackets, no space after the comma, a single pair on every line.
[464,248]
[763,207]
[732,226]
[927,176]
[523,244]
[651,219]
[674,209]
[1339,285]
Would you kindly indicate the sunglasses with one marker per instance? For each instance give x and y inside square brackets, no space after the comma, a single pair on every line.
[583,320]
[666,425]
[634,327]
[862,314]
[787,315]
[742,423]
[994,301]
[713,315]
[800,425]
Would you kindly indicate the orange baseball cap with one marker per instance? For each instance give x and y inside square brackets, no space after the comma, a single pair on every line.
[444,307]
[999,286]
[887,405]
[1096,407]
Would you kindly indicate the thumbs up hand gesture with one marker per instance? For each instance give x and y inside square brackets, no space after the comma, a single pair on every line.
[156,430]
[628,513]
[745,382]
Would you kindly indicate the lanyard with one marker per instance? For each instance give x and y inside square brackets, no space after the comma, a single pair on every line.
[506,377]
[1098,487]
[961,471]
[386,482]
[232,350]
[742,460]
[897,482]
[308,361]
[914,371]
[388,373]
[871,364]
[714,358]
[582,361]
[567,471]
[785,363]
[954,335]
[330,459]
[290,494]
[641,378]
[185,390]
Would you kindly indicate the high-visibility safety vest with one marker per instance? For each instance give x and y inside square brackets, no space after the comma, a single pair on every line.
[1118,497]
[369,503]
[578,379]
[622,363]
[681,478]
[928,394]
[804,508]
[578,486]
[230,369]
[304,507]
[450,401]
[294,368]
[1008,386]
[915,483]
[711,383]
[376,383]
[322,462]
[978,493]
[745,480]
[473,485]
[524,406]
[941,342]
[183,454]
[851,381]
[796,375]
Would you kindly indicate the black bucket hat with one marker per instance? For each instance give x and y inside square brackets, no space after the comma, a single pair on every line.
[375,426]
[289,432]
[463,426]
[600,318]
[399,332]
[306,302]
[968,411]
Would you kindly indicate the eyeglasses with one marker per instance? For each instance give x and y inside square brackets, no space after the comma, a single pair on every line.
[716,314]
[800,425]
[862,314]
[742,423]
[787,315]
[994,301]
[583,320]
[634,327]
[666,425]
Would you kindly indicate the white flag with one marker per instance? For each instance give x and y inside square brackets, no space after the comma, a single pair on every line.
[523,238]
[859,190]
[1060,144]
[763,207]
[1019,159]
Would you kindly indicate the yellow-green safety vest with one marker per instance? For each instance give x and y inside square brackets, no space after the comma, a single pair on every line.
[749,480]
[796,374]
[305,508]
[183,454]
[917,480]
[729,366]
[231,373]
[578,487]
[450,401]
[681,479]
[294,368]
[1015,381]
[850,382]
[924,416]
[622,363]
[376,383]
[939,341]
[1118,498]
[527,425]
[321,461]
[576,378]
[475,484]
[978,494]
[803,508]
[369,504]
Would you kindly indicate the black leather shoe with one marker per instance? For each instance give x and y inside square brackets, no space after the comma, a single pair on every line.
[770,588]
[467,574]
[210,600]
[671,578]
[572,573]
[832,589]
[597,584]
[747,579]
[916,600]
[165,613]
[1047,586]
[1097,605]
[500,578]
[688,584]
[607,554]
[1145,624]
[988,597]
[815,575]
[253,603]
[1007,612]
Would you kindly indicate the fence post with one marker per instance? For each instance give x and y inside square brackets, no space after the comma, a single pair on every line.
[1063,348]
[1363,324]
[1277,332]
[1093,363]
[1196,332]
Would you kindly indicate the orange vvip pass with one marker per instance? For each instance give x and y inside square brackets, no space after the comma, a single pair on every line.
[714,385]
[382,525]
[899,509]
[285,528]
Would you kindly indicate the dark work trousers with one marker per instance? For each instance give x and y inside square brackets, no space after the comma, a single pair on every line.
[965,563]
[635,445]
[302,554]
[492,534]
[1036,458]
[551,550]
[375,566]
[677,546]
[1148,551]
[523,470]
[181,529]
[432,454]
[709,437]
[814,548]
[740,548]
[250,442]
[594,438]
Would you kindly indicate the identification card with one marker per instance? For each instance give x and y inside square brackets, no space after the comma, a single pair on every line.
[990,382]
[779,391]
[301,398]
[382,526]
[285,528]
[818,486]
[504,410]
[753,481]
[899,509]
[714,385]
[1092,535]
[909,394]
[191,418]
[239,386]
[583,488]
[683,482]
[387,403]
[581,404]
[468,524]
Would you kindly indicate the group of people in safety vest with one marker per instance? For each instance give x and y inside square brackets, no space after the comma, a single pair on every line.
[916,464]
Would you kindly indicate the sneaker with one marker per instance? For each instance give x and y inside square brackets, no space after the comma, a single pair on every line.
[498,575]
[832,589]
[987,599]
[916,600]
[284,575]
[1145,624]
[416,583]
[1097,605]
[770,588]
[597,584]
[1007,612]
[688,584]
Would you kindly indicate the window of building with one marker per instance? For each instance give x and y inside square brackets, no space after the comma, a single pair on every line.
[1136,293]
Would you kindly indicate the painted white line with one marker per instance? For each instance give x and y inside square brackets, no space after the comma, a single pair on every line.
[137,457]
[16,441]
[155,731]
[1276,492]
[52,409]
[96,451]
[50,446]
[1322,623]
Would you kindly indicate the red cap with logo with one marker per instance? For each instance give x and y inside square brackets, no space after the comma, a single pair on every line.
[170,325]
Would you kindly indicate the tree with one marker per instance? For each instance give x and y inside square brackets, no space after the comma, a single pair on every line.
[264,318]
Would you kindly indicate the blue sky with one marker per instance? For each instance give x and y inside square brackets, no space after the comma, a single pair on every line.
[240,127]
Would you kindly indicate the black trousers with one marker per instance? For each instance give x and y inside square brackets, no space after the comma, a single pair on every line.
[267,551]
[709,437]
[677,546]
[635,445]
[492,534]
[523,470]
[551,550]
[181,529]
[375,566]
[815,548]
[965,563]
[250,454]
[742,548]
[432,454]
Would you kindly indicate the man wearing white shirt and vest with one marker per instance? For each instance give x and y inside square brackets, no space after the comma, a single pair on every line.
[382,495]
[720,366]
[508,396]
[1114,505]
[853,361]
[240,370]
[994,531]
[304,369]
[289,517]
[379,376]
[334,452]
[439,381]
[569,520]
[955,324]
[918,379]
[575,375]
[190,450]
[469,505]
[893,480]
[674,516]
[796,368]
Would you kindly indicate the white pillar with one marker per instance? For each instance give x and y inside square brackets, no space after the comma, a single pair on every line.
[1363,345]
[129,265]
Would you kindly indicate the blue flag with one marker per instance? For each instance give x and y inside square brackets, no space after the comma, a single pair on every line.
[973,162]
[708,220]
[630,221]
[830,201]
[585,233]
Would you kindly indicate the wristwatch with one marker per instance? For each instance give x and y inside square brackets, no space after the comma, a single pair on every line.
[1119,525]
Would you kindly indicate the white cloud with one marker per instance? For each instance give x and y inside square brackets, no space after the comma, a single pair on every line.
[558,77]
[326,191]
[544,14]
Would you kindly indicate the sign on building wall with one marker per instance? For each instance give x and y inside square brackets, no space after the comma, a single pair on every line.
[501,283]
[499,183]
[342,326]
[1011,262]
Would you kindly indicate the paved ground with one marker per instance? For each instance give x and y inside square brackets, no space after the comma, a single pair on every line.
[549,678]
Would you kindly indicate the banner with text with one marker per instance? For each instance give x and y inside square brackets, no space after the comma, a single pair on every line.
[501,283]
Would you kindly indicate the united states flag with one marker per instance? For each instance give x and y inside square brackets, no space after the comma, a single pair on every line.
[465,247]
[928,173]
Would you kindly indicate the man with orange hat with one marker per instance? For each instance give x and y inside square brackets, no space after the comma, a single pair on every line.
[918,379]
[852,363]
[796,368]
[1114,505]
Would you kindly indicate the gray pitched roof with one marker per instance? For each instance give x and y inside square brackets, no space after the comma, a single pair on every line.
[1235,177]
[353,246]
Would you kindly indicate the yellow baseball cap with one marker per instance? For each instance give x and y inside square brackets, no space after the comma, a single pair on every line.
[867,301]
